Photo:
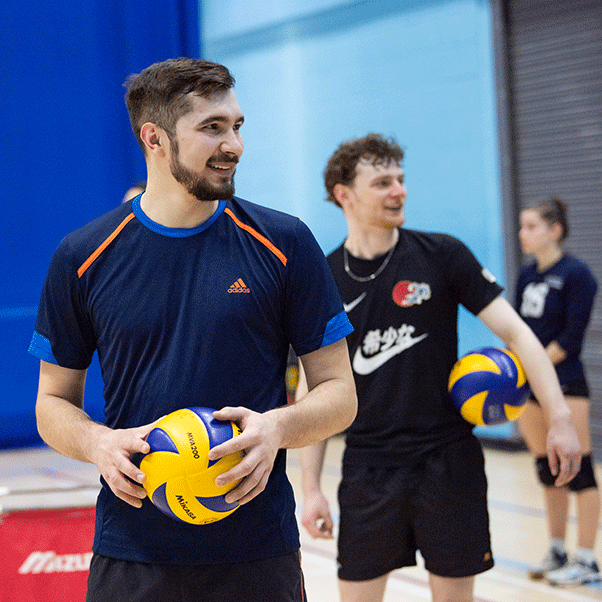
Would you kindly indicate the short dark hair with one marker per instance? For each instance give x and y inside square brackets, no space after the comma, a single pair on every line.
[160,93]
[554,211]
[375,148]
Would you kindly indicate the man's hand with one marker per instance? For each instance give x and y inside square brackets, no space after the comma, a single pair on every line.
[259,441]
[111,452]
[316,516]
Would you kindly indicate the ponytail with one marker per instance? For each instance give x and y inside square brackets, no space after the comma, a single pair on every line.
[554,211]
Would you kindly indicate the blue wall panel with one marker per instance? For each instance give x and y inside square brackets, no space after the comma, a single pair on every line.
[69,153]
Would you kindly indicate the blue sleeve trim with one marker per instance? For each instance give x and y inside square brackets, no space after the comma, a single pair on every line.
[41,348]
[336,329]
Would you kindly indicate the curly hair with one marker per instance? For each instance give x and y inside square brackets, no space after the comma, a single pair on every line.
[374,148]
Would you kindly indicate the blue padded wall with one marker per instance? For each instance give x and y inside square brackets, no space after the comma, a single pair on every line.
[69,153]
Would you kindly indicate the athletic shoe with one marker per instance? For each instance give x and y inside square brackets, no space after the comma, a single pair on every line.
[576,572]
[553,561]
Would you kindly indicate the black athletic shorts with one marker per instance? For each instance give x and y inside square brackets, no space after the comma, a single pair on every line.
[276,579]
[438,505]
[569,390]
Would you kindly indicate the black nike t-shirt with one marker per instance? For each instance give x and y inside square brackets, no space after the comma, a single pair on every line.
[405,343]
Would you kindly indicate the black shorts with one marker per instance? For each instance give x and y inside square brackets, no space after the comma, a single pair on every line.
[276,579]
[438,505]
[569,390]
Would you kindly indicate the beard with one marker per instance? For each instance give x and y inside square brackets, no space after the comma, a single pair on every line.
[197,185]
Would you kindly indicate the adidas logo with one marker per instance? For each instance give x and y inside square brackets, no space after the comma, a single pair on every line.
[239,287]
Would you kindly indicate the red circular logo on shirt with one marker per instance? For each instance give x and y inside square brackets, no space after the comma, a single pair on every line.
[406,293]
[401,293]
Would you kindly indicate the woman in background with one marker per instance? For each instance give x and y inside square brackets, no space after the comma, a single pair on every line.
[555,295]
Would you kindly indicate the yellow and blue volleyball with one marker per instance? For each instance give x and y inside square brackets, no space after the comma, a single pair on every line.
[489,386]
[180,479]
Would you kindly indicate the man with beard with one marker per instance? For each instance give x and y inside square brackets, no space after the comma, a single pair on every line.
[191,297]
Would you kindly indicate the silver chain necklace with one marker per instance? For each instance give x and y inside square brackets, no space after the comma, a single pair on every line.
[383,265]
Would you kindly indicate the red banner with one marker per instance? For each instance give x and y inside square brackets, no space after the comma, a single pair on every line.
[45,554]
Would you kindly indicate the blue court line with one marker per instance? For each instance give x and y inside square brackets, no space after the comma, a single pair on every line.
[526,510]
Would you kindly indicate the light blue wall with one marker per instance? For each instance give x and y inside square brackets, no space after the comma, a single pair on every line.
[312,74]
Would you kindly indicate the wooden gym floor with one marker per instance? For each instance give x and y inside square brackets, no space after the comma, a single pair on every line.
[518,524]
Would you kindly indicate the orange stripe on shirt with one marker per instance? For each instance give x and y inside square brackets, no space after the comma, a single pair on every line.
[262,239]
[104,245]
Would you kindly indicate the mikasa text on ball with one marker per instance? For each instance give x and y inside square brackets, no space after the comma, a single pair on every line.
[180,479]
[489,386]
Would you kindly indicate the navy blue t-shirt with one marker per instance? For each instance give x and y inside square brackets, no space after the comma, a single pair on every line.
[557,304]
[190,317]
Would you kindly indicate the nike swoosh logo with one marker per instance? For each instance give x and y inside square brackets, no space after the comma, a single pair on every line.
[350,306]
[366,365]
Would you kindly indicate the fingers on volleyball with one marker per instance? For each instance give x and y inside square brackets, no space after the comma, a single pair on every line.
[488,386]
[180,479]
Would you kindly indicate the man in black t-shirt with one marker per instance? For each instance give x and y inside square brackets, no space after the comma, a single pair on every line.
[413,472]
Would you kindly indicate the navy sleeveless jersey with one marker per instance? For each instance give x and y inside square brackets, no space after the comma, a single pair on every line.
[405,344]
[190,317]
[557,304]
